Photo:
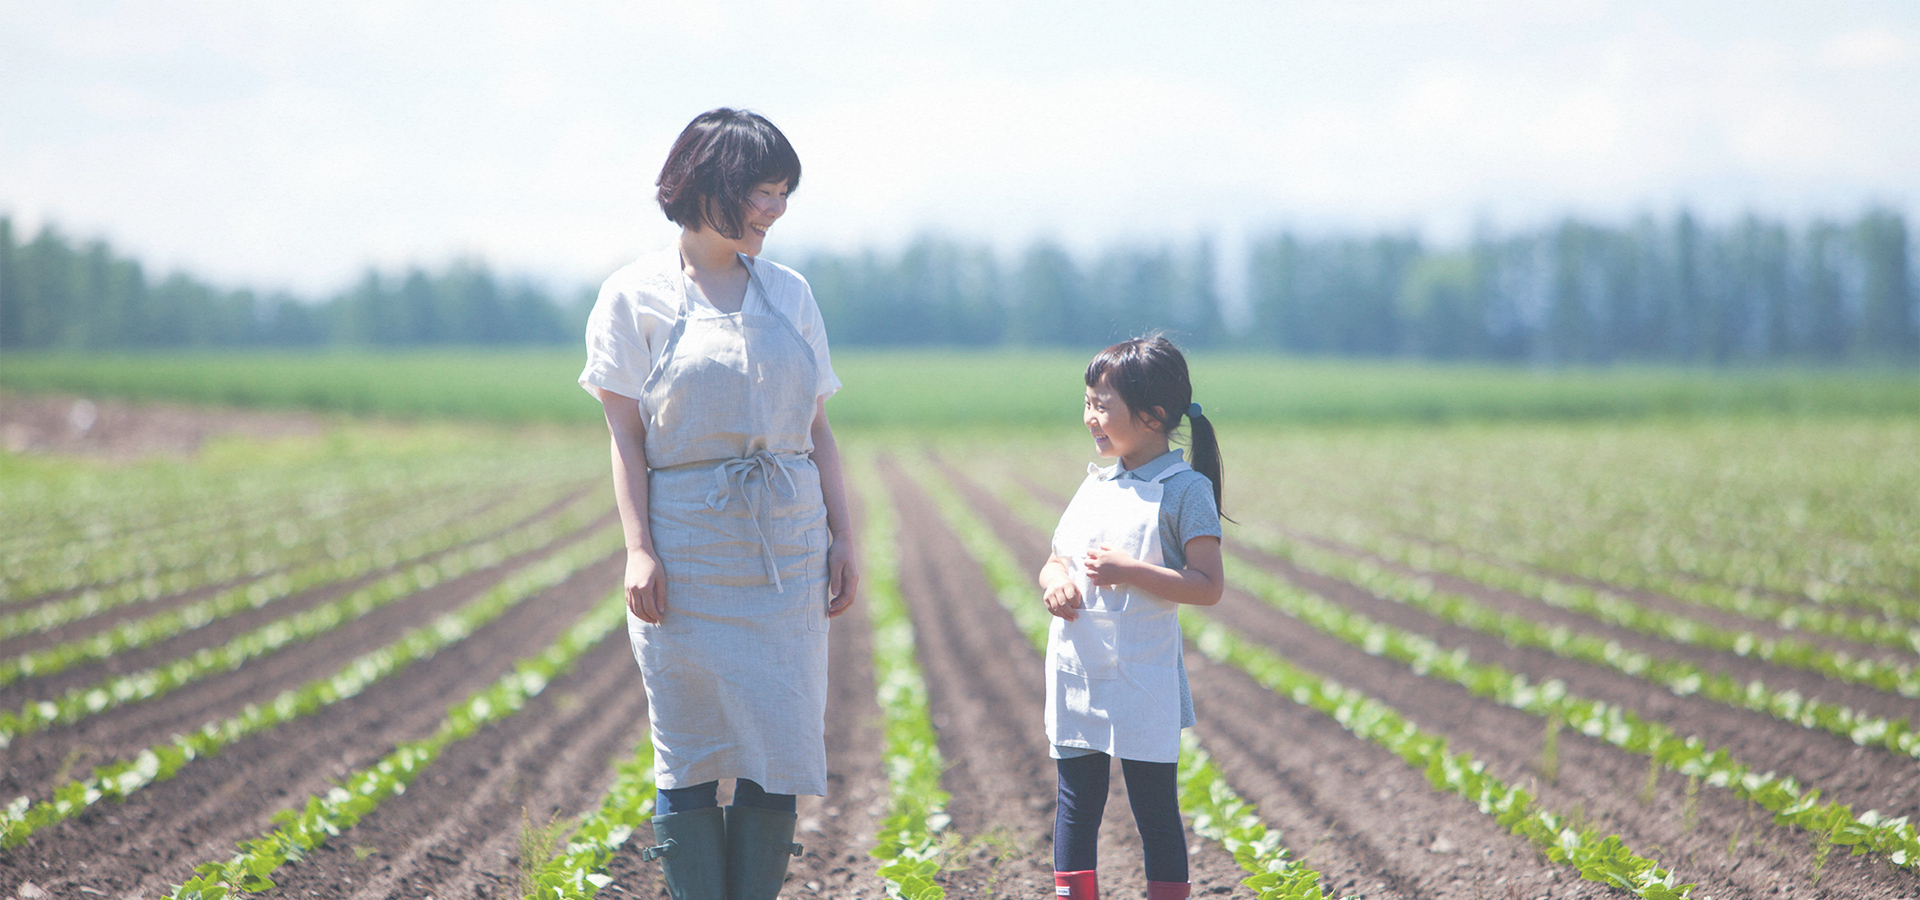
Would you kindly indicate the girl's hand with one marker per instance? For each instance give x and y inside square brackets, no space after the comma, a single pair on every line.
[1106,566]
[1062,599]
[646,587]
[843,577]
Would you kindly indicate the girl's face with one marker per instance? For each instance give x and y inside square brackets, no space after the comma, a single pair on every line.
[1117,432]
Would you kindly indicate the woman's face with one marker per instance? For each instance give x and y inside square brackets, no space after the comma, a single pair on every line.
[765,205]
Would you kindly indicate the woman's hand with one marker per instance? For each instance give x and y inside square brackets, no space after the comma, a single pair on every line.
[843,577]
[1107,567]
[646,589]
[1062,596]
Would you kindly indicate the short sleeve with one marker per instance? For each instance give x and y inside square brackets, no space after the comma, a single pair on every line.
[624,330]
[1190,514]
[813,329]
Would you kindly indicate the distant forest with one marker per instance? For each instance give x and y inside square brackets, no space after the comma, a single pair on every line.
[1668,291]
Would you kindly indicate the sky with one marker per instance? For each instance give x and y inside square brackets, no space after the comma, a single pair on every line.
[291,145]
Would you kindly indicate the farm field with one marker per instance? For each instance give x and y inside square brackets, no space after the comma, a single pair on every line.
[1509,660]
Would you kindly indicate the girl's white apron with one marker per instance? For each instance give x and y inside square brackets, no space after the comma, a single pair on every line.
[736,672]
[1113,681]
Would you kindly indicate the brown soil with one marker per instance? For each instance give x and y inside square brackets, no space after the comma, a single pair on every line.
[116,430]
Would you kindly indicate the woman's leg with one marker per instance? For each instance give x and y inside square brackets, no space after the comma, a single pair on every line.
[1153,789]
[1076,818]
[747,792]
[699,796]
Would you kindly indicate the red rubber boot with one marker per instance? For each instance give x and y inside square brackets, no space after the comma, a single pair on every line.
[1168,890]
[1076,885]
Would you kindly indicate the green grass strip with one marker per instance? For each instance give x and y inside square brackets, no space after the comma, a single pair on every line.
[579,870]
[119,779]
[342,807]
[451,532]
[907,840]
[1785,798]
[1216,811]
[1679,677]
[120,690]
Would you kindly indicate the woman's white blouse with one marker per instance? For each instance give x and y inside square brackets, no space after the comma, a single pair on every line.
[631,320]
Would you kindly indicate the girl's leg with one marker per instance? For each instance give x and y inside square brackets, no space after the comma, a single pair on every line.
[1076,819]
[699,796]
[1153,790]
[747,792]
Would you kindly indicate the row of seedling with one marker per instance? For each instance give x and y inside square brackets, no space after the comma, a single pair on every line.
[121,778]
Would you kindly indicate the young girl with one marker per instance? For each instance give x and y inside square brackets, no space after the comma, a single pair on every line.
[1139,537]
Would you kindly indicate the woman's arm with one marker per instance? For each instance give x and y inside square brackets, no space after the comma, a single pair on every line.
[843,572]
[646,589]
[1199,584]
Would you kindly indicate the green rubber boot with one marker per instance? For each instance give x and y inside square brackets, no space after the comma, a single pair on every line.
[759,842]
[692,850]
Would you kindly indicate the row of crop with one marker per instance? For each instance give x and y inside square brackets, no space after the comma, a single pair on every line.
[1601,858]
[121,778]
[444,535]
[1790,802]
[1891,623]
[1218,813]
[302,828]
[242,547]
[907,841]
[1613,609]
[134,687]
[1678,676]
[318,556]
[155,505]
[1711,512]
[579,870]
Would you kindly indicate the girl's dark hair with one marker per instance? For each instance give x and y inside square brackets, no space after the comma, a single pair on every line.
[717,162]
[1150,374]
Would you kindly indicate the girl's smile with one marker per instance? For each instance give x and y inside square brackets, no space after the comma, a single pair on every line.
[1117,432]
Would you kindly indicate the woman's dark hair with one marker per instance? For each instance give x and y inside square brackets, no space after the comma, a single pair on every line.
[717,162]
[1149,373]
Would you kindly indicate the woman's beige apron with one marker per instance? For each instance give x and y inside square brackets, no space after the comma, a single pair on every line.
[1113,676]
[736,671]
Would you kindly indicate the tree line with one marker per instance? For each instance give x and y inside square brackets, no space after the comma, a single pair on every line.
[1673,290]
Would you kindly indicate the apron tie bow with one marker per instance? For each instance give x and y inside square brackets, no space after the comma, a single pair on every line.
[733,477]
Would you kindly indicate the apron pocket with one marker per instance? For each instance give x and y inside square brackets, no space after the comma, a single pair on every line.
[1088,646]
[644,638]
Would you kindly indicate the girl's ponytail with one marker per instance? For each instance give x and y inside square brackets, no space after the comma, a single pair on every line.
[1206,453]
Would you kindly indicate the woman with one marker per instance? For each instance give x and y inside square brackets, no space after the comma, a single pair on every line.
[712,368]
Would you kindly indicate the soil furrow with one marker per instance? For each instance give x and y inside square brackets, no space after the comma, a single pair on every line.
[254,778]
[215,633]
[985,686]
[456,831]
[34,760]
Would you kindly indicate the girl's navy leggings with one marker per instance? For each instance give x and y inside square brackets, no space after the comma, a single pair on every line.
[706,794]
[1154,794]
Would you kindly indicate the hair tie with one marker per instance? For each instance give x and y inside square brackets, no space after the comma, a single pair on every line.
[1193,410]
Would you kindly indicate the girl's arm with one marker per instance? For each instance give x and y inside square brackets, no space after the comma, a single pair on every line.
[1060,593]
[843,575]
[1199,584]
[646,589]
